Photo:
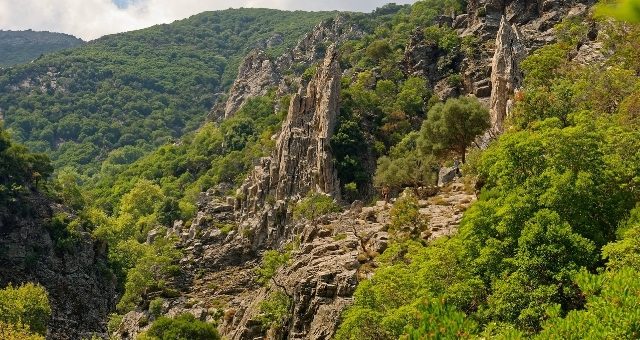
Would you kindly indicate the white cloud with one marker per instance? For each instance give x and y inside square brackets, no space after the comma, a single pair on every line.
[90,19]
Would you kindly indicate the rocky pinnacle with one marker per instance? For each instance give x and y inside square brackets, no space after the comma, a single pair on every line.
[506,76]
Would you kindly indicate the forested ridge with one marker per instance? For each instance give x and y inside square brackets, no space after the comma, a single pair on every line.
[17,47]
[140,89]
[550,248]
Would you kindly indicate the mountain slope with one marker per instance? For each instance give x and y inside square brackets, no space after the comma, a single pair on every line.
[141,88]
[17,47]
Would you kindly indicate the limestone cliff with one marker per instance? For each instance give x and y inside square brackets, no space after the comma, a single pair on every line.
[81,287]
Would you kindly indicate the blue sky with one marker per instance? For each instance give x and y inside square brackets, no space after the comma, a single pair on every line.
[90,19]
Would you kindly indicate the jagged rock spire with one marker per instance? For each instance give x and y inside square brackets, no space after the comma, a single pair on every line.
[302,161]
[506,76]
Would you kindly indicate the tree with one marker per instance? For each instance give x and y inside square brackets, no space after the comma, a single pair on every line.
[405,166]
[26,305]
[454,125]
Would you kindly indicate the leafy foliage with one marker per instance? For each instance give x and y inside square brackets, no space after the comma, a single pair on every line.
[380,105]
[24,309]
[140,89]
[19,169]
[213,155]
[454,125]
[440,321]
[17,47]
[314,206]
[406,166]
[628,10]
[272,260]
[10,331]
[559,188]
[274,310]
[405,216]
[182,327]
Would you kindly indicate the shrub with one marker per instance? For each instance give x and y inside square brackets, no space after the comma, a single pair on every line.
[274,310]
[406,217]
[10,331]
[314,206]
[155,307]
[114,322]
[272,260]
[182,327]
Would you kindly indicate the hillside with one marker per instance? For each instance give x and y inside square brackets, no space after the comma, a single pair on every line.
[140,89]
[447,169]
[18,47]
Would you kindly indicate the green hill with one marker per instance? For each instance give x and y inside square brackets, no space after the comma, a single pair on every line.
[17,47]
[143,88]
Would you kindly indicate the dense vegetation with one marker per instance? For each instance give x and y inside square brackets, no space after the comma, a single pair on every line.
[182,327]
[17,47]
[550,249]
[24,312]
[20,170]
[139,89]
[380,104]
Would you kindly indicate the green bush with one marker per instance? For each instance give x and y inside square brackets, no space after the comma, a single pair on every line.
[9,331]
[155,307]
[25,305]
[314,206]
[274,311]
[440,321]
[182,327]
[272,260]
[405,216]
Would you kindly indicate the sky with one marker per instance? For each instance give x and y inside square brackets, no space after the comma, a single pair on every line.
[90,19]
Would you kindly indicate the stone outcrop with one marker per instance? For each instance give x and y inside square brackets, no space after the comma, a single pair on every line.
[81,287]
[256,76]
[302,161]
[506,76]
[259,73]
[333,254]
[533,20]
[426,59]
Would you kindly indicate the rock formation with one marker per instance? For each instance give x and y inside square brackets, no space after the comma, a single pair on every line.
[256,76]
[302,161]
[81,287]
[259,73]
[533,19]
[506,76]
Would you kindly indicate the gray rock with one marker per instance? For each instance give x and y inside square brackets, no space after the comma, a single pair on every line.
[506,76]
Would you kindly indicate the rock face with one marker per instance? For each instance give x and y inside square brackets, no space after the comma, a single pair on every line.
[302,161]
[426,59]
[255,76]
[486,20]
[81,287]
[259,73]
[506,76]
[260,219]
